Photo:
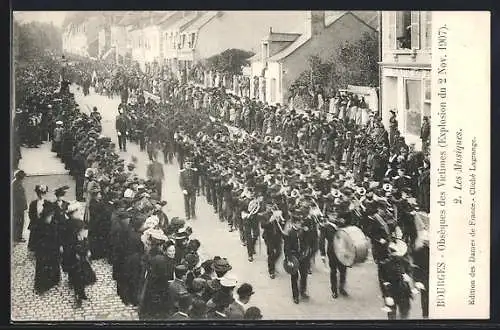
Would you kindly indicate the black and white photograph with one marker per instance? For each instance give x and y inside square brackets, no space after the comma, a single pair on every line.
[221,165]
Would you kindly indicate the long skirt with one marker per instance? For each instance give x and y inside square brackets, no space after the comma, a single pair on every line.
[47,271]
[34,236]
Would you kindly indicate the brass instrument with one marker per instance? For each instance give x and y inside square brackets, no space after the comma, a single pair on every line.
[278,139]
[294,193]
[361,191]
[387,187]
[217,136]
[253,207]
[268,139]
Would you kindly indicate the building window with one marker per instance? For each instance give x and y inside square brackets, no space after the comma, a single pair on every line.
[413,106]
[408,30]
[428,30]
[183,40]
[193,36]
[273,90]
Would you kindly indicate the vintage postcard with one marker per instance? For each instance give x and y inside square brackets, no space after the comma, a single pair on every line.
[247,165]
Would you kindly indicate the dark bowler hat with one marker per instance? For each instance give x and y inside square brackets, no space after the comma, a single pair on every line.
[221,264]
[61,191]
[245,290]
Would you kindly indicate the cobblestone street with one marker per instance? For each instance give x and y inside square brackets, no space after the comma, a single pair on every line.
[272,296]
[58,304]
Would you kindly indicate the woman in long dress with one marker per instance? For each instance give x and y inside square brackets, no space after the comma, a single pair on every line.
[98,226]
[80,271]
[34,212]
[160,270]
[47,251]
[131,271]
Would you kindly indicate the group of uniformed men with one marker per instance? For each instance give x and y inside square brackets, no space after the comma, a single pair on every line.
[292,190]
[298,177]
[155,263]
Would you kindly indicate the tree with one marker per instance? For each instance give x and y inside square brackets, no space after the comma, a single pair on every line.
[354,63]
[229,61]
[34,38]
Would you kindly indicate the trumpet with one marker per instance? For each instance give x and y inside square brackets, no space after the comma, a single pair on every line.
[295,193]
[315,213]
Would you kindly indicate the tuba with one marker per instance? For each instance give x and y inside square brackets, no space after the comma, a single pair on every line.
[278,139]
[268,139]
[253,207]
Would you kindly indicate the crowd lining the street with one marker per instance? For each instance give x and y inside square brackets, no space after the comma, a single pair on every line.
[118,217]
[301,169]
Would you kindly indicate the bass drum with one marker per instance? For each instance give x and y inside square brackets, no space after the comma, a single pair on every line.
[351,246]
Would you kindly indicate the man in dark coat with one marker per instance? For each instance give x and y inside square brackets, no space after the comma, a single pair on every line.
[425,135]
[19,205]
[327,234]
[156,175]
[273,239]
[121,125]
[296,246]
[187,181]
[78,171]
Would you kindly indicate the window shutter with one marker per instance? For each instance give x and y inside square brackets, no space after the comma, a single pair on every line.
[391,28]
[415,30]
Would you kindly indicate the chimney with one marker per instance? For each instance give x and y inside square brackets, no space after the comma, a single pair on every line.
[315,22]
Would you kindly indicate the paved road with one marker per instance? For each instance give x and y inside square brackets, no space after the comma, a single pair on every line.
[58,304]
[272,296]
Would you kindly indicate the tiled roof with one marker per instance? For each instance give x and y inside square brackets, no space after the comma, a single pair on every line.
[282,37]
[290,49]
[168,21]
[196,24]
[330,19]
[180,24]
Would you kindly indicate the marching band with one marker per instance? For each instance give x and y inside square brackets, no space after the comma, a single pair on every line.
[300,202]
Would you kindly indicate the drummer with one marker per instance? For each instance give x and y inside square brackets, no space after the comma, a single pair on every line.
[328,229]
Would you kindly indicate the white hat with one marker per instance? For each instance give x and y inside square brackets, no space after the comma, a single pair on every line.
[398,248]
[73,207]
[151,221]
[129,193]
[228,281]
[89,172]
[159,235]
[59,122]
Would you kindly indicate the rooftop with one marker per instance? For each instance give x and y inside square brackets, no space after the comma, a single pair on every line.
[196,24]
[282,37]
[183,22]
[330,18]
